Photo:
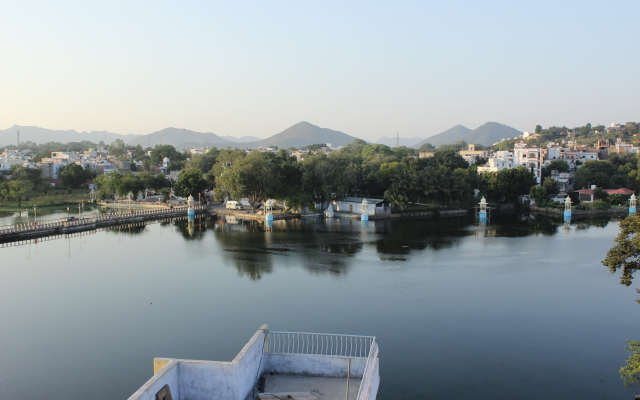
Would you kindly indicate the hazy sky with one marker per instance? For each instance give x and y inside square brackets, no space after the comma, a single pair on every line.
[366,68]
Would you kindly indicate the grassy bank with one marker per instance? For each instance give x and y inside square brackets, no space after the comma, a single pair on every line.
[52,200]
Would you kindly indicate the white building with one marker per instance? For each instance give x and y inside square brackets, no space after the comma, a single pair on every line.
[531,158]
[499,161]
[273,365]
[354,205]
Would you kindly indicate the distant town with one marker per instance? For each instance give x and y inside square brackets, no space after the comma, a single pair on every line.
[596,166]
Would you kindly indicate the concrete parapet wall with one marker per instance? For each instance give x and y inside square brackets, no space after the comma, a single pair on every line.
[375,382]
[314,365]
[209,380]
[204,380]
[168,375]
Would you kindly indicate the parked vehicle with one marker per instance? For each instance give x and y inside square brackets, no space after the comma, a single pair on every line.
[233,205]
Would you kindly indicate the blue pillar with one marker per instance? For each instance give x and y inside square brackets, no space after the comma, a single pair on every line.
[268,217]
[567,215]
[364,217]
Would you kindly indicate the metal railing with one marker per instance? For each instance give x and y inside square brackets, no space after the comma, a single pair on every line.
[325,344]
[66,222]
[365,385]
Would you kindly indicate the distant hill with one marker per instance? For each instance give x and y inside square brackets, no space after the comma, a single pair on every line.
[303,134]
[391,141]
[299,135]
[182,138]
[450,136]
[244,139]
[42,135]
[490,133]
[485,135]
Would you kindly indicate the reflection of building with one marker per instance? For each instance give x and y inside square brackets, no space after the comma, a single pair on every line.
[354,205]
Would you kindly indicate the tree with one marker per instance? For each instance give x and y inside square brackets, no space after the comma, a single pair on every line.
[538,129]
[558,165]
[630,373]
[18,188]
[552,186]
[449,158]
[190,183]
[625,254]
[31,175]
[508,184]
[252,177]
[427,147]
[73,175]
[117,148]
[539,195]
[159,153]
[597,173]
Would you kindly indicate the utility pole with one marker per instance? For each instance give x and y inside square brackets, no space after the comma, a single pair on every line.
[397,139]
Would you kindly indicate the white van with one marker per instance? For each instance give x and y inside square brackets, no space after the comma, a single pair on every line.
[233,205]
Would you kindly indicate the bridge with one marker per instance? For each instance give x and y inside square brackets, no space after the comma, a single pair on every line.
[12,233]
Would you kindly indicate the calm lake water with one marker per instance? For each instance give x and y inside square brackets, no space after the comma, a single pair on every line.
[514,310]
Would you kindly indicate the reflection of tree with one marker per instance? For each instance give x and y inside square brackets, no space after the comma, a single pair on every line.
[245,245]
[597,222]
[401,237]
[193,230]
[129,230]
[251,245]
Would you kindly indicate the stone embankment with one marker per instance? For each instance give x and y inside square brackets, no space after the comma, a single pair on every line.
[422,214]
[559,212]
[243,214]
[49,228]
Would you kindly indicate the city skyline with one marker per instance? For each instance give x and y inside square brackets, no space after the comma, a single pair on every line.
[365,69]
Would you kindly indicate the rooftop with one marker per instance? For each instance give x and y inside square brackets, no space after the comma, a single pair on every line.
[274,365]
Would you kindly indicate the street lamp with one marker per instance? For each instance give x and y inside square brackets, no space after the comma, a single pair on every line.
[27,215]
[35,216]
[79,210]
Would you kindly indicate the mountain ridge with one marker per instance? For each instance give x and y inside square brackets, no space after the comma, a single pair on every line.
[449,136]
[298,135]
[486,135]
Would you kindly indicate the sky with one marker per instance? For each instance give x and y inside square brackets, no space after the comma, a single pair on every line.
[366,68]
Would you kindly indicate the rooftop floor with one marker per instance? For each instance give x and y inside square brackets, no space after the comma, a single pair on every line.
[321,388]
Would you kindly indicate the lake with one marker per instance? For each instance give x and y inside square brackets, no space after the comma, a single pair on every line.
[519,309]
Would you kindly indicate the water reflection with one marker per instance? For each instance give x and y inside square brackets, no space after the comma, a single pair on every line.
[128,230]
[319,246]
[194,230]
[400,238]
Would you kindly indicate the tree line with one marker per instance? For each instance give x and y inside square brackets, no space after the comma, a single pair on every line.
[357,170]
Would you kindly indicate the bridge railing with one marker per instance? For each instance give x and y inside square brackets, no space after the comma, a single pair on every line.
[91,219]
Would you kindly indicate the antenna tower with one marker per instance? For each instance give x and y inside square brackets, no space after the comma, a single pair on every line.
[397,139]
